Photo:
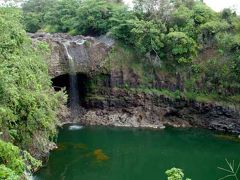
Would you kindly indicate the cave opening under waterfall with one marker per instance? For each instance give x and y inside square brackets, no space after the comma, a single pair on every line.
[82,86]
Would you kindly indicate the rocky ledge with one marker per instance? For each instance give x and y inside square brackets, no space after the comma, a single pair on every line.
[88,53]
[129,109]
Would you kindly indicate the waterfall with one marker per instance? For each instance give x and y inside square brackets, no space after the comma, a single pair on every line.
[74,93]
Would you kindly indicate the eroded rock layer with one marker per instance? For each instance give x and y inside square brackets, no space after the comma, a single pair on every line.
[133,109]
[88,53]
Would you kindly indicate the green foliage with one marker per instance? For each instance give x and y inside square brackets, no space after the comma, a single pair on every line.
[175,174]
[87,17]
[145,36]
[213,27]
[210,29]
[182,41]
[122,24]
[14,162]
[34,13]
[148,36]
[60,18]
[202,13]
[164,92]
[12,33]
[182,16]
[93,17]
[215,76]
[7,174]
[186,37]
[180,48]
[28,104]
[32,22]
[231,17]
[154,9]
[180,35]
[10,157]
[226,42]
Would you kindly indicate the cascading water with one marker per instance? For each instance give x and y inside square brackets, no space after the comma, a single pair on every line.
[74,93]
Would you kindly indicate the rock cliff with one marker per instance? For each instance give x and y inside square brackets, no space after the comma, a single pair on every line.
[134,109]
[88,53]
[110,103]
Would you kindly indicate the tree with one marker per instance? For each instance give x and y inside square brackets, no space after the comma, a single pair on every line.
[122,24]
[180,48]
[60,18]
[154,9]
[148,36]
[210,29]
[182,16]
[28,104]
[202,13]
[93,16]
[182,21]
[145,36]
[34,12]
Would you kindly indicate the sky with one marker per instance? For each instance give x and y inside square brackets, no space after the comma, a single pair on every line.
[216,5]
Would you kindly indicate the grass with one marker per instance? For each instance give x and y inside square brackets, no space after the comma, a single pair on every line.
[229,101]
[164,92]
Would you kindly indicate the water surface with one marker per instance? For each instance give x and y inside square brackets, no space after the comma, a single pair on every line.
[100,153]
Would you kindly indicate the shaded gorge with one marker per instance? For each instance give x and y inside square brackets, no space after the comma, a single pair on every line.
[81,84]
[90,153]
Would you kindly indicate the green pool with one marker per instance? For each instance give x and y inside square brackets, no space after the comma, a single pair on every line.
[101,153]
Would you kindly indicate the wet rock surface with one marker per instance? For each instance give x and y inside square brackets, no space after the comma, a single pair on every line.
[88,53]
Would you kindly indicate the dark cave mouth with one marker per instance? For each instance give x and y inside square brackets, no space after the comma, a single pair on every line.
[82,85]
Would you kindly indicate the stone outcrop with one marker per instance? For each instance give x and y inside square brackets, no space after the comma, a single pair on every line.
[88,53]
[129,109]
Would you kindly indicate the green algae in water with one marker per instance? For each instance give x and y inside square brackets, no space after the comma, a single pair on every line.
[99,153]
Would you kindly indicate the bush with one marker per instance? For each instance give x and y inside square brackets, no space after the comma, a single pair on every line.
[175,174]
[28,104]
[180,48]
[7,174]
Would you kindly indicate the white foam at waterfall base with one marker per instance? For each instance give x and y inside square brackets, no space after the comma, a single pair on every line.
[75,127]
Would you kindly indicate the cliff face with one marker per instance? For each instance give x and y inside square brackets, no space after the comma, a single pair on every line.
[134,109]
[88,53]
[108,105]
